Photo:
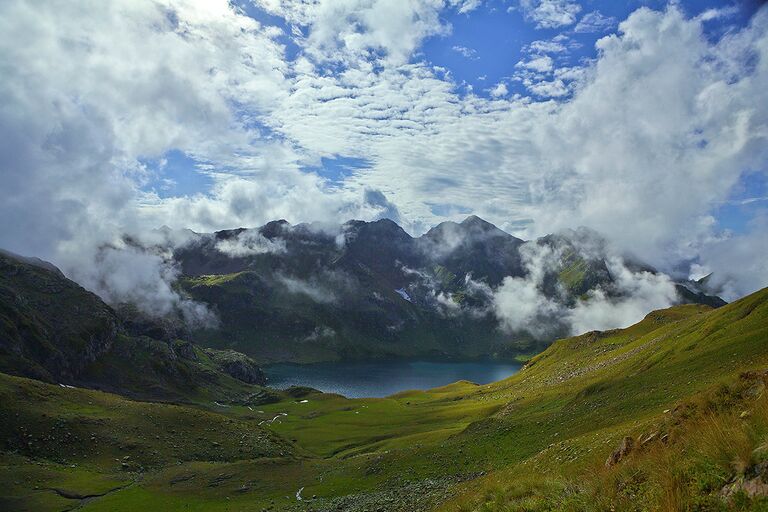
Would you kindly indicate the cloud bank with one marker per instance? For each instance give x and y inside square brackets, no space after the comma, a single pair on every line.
[520,303]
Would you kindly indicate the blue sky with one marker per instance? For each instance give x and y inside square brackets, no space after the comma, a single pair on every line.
[482,48]
[497,33]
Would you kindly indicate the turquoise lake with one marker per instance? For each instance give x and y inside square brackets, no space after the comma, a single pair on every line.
[383,378]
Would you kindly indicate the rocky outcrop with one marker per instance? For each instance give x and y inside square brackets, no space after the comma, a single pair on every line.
[185,350]
[137,323]
[625,448]
[753,483]
[238,366]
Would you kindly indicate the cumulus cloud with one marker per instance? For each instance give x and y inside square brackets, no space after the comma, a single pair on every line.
[550,13]
[540,63]
[679,151]
[350,29]
[637,294]
[548,89]
[520,303]
[141,277]
[500,90]
[737,262]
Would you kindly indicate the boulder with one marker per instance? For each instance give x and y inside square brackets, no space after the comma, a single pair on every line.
[238,366]
[625,448]
[754,483]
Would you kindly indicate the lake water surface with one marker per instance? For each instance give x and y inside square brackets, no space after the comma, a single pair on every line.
[384,378]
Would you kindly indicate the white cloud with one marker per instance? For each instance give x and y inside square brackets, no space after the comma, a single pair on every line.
[595,22]
[539,63]
[550,13]
[520,303]
[469,53]
[466,6]
[125,274]
[314,291]
[249,243]
[499,91]
[718,13]
[548,89]
[89,88]
[347,30]
[540,46]
[641,292]
[737,261]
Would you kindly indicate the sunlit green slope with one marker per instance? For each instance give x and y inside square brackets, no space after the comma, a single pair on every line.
[685,383]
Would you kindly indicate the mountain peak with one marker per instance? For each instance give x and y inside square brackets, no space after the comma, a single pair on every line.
[474,220]
[476,224]
[275,228]
[380,228]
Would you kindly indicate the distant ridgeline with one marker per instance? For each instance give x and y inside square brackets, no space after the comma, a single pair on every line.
[306,293]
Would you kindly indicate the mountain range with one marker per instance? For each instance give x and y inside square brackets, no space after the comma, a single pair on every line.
[365,290]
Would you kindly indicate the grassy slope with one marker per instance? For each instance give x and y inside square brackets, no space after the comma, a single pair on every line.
[558,419]
[574,403]
[86,442]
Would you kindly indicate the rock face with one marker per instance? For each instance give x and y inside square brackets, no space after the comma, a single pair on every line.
[625,448]
[185,350]
[238,366]
[50,328]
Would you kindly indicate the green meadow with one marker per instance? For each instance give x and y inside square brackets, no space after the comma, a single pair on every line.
[685,385]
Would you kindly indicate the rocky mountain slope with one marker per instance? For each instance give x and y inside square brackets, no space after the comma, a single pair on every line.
[53,330]
[369,290]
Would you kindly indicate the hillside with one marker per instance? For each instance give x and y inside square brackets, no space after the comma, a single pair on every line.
[685,385]
[53,330]
[367,290]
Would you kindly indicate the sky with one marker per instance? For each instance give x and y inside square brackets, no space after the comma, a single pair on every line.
[644,120]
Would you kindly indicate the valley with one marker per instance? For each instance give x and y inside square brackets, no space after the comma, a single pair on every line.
[685,385]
